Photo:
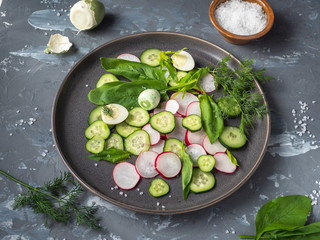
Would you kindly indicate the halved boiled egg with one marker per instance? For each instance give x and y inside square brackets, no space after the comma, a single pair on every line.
[114,113]
[183,61]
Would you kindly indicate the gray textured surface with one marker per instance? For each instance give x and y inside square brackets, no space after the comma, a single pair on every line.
[29,80]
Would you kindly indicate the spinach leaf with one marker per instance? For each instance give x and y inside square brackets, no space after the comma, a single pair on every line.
[283,213]
[211,117]
[124,93]
[133,71]
[186,171]
[311,231]
[112,155]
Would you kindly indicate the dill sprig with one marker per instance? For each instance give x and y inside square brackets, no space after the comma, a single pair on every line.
[240,84]
[57,200]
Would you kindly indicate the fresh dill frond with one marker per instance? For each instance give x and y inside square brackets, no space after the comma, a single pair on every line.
[57,200]
[240,84]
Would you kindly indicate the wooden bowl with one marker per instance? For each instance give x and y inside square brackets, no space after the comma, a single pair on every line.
[241,39]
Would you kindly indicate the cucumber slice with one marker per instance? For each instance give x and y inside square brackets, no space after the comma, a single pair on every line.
[124,129]
[192,123]
[206,163]
[151,57]
[228,106]
[105,78]
[163,122]
[95,145]
[137,142]
[95,115]
[138,117]
[173,145]
[201,181]
[232,138]
[158,187]
[114,140]
[98,128]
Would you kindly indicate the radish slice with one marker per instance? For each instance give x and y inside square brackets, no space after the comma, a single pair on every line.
[213,148]
[194,108]
[158,148]
[195,151]
[125,175]
[223,163]
[172,106]
[168,164]
[129,57]
[145,164]
[162,108]
[195,137]
[179,131]
[207,83]
[184,102]
[153,134]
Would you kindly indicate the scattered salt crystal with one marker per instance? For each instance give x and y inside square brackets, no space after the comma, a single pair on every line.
[241,17]
[227,231]
[121,193]
[141,193]
[17,111]
[10,134]
[96,164]
[125,195]
[158,203]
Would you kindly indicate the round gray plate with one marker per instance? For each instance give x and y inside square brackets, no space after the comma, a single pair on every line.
[69,120]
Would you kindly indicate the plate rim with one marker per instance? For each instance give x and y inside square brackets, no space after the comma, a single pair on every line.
[135,208]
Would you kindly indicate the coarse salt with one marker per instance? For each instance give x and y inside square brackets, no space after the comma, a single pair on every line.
[241,17]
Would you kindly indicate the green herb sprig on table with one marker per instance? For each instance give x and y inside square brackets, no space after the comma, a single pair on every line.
[57,200]
[284,218]
[239,84]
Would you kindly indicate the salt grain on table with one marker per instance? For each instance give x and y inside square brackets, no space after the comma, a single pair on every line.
[241,17]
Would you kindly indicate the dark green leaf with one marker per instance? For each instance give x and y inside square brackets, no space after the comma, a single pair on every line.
[283,213]
[310,231]
[123,93]
[133,71]
[211,117]
[112,155]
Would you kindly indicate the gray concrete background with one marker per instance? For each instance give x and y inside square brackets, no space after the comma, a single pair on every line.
[29,80]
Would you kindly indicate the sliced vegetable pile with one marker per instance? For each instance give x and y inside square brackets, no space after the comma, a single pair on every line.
[181,134]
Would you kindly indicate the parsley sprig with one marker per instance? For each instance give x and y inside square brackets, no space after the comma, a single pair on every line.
[57,200]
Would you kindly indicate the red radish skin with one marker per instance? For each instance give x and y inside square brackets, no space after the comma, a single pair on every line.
[223,163]
[129,57]
[158,148]
[195,151]
[184,101]
[145,164]
[125,175]
[195,137]
[194,108]
[214,147]
[154,135]
[207,83]
[168,164]
[172,106]
[179,131]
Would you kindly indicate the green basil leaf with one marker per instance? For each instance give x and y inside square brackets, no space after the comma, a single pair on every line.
[283,213]
[124,93]
[186,171]
[133,71]
[113,155]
